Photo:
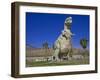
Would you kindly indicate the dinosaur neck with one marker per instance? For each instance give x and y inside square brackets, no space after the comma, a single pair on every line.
[66,27]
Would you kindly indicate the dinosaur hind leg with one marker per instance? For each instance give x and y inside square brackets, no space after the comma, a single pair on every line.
[56,54]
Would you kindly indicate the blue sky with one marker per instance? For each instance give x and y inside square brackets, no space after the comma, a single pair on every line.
[46,27]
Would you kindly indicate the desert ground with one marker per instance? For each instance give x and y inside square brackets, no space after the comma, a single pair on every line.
[36,57]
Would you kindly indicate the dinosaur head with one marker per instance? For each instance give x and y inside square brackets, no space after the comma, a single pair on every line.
[68,22]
